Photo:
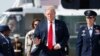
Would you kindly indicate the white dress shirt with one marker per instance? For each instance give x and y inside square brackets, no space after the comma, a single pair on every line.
[90,30]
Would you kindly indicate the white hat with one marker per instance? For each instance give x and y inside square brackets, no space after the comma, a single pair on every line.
[16,35]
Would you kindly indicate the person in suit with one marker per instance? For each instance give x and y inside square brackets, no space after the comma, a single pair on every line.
[51,35]
[88,41]
[17,45]
[29,37]
[6,48]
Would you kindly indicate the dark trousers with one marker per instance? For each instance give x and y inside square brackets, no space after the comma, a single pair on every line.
[47,52]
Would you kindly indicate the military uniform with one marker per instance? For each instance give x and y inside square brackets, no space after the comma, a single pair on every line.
[88,45]
[88,41]
[6,48]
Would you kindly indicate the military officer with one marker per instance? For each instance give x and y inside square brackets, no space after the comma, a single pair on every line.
[6,48]
[88,41]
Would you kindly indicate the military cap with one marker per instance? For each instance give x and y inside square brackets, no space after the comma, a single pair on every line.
[90,13]
[4,28]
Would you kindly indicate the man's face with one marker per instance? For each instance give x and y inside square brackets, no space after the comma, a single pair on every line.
[50,14]
[7,33]
[90,20]
[16,39]
[12,24]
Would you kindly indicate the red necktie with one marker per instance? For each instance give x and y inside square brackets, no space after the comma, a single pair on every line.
[50,37]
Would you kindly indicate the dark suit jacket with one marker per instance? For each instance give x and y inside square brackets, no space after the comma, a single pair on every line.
[86,45]
[5,48]
[62,37]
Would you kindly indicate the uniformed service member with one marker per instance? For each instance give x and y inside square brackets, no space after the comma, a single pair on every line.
[88,41]
[6,48]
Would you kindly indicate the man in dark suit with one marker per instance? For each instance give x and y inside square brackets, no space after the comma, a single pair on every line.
[51,35]
[88,41]
[6,48]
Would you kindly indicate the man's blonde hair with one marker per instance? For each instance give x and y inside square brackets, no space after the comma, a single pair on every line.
[50,7]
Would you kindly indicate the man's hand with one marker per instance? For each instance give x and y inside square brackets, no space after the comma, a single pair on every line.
[37,41]
[57,46]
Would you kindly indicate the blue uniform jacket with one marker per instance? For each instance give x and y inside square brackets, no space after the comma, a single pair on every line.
[6,49]
[88,45]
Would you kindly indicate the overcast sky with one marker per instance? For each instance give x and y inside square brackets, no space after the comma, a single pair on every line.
[5,4]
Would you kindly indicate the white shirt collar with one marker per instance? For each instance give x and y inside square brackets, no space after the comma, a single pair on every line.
[90,27]
[49,21]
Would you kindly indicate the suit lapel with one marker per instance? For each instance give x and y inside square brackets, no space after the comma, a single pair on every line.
[93,34]
[56,25]
[45,25]
[56,29]
[93,31]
